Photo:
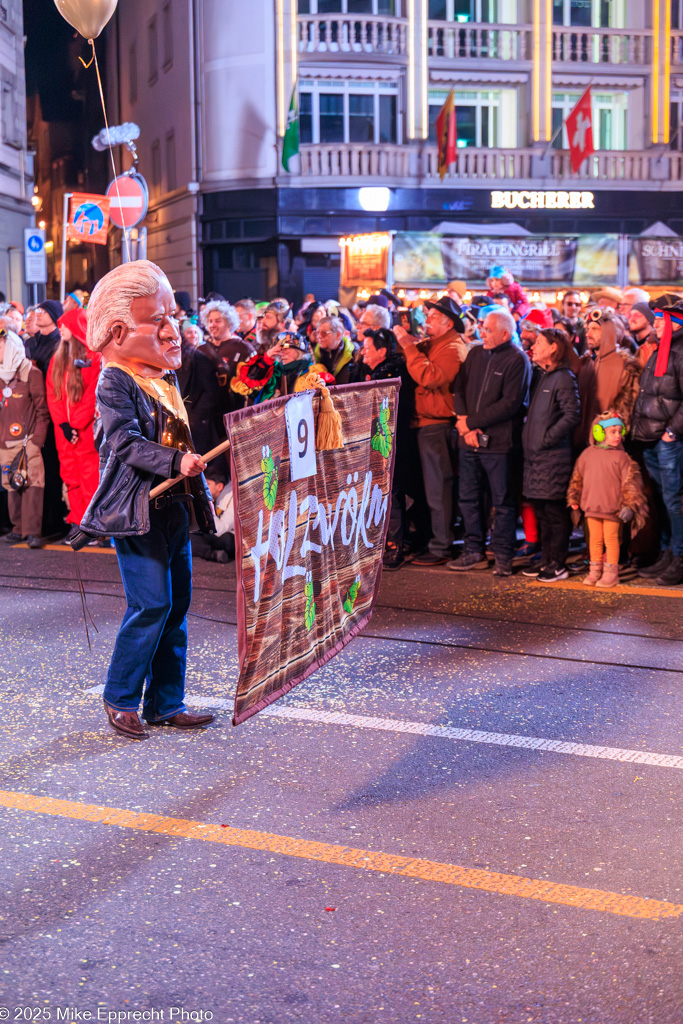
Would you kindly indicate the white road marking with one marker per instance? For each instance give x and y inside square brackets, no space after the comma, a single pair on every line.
[444,732]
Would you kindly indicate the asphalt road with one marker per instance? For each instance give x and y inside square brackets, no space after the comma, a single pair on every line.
[405,838]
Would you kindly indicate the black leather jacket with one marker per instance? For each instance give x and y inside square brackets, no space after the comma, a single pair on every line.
[132,461]
[660,400]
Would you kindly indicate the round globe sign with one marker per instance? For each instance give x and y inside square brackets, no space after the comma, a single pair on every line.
[129,199]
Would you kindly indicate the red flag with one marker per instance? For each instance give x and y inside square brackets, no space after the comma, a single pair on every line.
[447,134]
[580,131]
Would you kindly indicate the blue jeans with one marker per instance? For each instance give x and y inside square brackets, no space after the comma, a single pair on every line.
[476,469]
[151,645]
[664,463]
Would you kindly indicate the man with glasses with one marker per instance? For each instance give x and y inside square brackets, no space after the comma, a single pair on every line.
[491,395]
[334,349]
[631,296]
[535,321]
[571,305]
[571,309]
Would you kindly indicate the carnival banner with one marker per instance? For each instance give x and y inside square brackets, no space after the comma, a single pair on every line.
[529,259]
[309,533]
[656,261]
[422,258]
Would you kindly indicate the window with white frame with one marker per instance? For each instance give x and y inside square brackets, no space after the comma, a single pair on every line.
[392,7]
[349,112]
[478,117]
[465,11]
[589,13]
[609,118]
[677,13]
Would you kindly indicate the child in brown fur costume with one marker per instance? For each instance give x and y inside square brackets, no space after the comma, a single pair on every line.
[606,485]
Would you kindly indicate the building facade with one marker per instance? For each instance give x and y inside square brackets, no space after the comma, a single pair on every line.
[210,82]
[16,167]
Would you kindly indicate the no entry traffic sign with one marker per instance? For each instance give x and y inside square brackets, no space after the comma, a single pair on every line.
[129,198]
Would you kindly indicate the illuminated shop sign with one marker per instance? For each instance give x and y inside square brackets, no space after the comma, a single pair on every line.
[524,200]
[365,245]
[365,260]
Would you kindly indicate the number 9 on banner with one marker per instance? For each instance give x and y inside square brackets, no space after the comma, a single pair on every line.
[301,435]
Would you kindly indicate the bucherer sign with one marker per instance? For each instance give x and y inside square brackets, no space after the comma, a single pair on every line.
[548,200]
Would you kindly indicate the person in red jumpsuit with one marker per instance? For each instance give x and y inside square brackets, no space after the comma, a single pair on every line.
[71,381]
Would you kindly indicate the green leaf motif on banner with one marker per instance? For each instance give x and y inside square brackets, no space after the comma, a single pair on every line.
[270,472]
[382,439]
[309,613]
[351,595]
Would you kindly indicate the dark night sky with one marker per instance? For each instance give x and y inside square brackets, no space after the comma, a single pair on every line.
[49,56]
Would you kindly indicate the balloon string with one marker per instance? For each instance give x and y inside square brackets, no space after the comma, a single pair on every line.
[111,151]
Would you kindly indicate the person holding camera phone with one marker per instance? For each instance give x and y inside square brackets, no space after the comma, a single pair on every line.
[24,420]
[491,396]
[434,365]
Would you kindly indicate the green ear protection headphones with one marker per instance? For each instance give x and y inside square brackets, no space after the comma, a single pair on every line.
[600,427]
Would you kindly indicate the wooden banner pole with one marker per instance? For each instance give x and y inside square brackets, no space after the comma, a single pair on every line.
[164,486]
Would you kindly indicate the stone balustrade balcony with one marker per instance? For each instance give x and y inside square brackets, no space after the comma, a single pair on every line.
[360,34]
[628,47]
[413,165]
[481,41]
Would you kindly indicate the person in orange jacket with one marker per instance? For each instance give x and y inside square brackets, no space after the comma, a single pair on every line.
[71,382]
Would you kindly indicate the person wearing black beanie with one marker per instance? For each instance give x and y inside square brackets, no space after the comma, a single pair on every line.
[641,319]
[183,306]
[43,345]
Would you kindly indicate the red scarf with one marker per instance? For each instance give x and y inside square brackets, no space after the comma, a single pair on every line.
[665,344]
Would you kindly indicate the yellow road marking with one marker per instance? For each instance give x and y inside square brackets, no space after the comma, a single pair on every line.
[65,547]
[621,588]
[345,856]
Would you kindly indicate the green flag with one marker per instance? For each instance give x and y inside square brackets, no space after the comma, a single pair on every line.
[290,143]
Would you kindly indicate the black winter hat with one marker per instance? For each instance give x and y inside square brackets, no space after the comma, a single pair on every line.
[645,310]
[53,308]
[183,300]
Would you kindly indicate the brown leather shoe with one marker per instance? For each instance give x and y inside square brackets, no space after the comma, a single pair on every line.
[127,723]
[185,720]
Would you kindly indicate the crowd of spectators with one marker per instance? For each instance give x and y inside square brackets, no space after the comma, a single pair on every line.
[523,429]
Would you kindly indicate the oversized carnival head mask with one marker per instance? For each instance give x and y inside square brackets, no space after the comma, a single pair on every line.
[130,319]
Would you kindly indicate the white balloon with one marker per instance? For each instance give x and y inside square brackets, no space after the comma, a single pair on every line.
[87,16]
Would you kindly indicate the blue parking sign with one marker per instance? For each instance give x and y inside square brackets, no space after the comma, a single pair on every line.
[35,260]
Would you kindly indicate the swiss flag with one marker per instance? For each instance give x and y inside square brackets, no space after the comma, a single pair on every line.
[580,131]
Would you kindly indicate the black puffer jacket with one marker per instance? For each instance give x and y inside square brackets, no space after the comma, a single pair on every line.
[554,411]
[660,400]
[132,460]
